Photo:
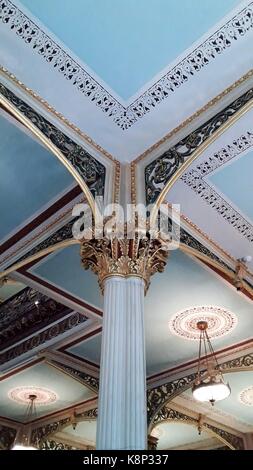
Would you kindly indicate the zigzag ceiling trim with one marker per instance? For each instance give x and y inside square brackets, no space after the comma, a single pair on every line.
[125,117]
[195,179]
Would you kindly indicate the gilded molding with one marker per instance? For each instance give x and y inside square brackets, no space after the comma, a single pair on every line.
[133,182]
[116,188]
[200,57]
[194,116]
[55,113]
[86,170]
[124,257]
[180,163]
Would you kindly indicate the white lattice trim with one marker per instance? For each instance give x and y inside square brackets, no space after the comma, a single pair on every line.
[125,117]
[195,179]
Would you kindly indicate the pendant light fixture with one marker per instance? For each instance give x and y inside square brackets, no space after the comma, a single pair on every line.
[23,439]
[210,386]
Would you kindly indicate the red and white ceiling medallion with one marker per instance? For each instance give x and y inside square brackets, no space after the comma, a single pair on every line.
[43,395]
[220,322]
[246,396]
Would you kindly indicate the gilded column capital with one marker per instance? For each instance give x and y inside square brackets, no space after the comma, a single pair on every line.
[140,257]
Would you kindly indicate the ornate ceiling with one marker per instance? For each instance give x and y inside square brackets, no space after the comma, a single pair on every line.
[161,114]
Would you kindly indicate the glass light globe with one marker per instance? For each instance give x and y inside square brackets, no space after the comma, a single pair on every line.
[211,391]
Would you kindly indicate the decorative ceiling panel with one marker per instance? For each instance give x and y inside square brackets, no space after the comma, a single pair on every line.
[166,98]
[216,190]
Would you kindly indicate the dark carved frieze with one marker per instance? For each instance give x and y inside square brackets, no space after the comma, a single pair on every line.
[40,434]
[166,414]
[159,396]
[125,116]
[159,171]
[88,414]
[50,444]
[234,440]
[7,437]
[20,316]
[43,337]
[92,171]
[242,362]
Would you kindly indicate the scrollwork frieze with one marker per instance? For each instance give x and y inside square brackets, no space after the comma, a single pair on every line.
[56,57]
[91,170]
[159,172]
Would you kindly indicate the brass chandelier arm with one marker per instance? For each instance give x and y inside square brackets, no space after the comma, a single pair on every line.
[39,254]
[51,147]
[224,127]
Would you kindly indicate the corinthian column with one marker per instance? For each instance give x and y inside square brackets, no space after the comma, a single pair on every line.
[124,268]
[122,407]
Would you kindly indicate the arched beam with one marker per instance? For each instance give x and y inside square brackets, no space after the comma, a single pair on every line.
[52,148]
[165,393]
[173,416]
[199,151]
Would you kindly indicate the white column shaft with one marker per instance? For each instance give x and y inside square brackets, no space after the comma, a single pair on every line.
[122,422]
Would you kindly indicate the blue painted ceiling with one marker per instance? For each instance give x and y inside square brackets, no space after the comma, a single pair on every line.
[184,284]
[74,278]
[128,42]
[68,390]
[235,182]
[178,434]
[30,176]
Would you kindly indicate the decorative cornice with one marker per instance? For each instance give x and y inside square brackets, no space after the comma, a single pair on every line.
[194,116]
[49,109]
[41,433]
[87,415]
[140,257]
[196,180]
[161,170]
[43,337]
[125,117]
[21,317]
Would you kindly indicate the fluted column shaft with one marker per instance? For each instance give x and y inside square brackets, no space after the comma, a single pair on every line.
[122,422]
